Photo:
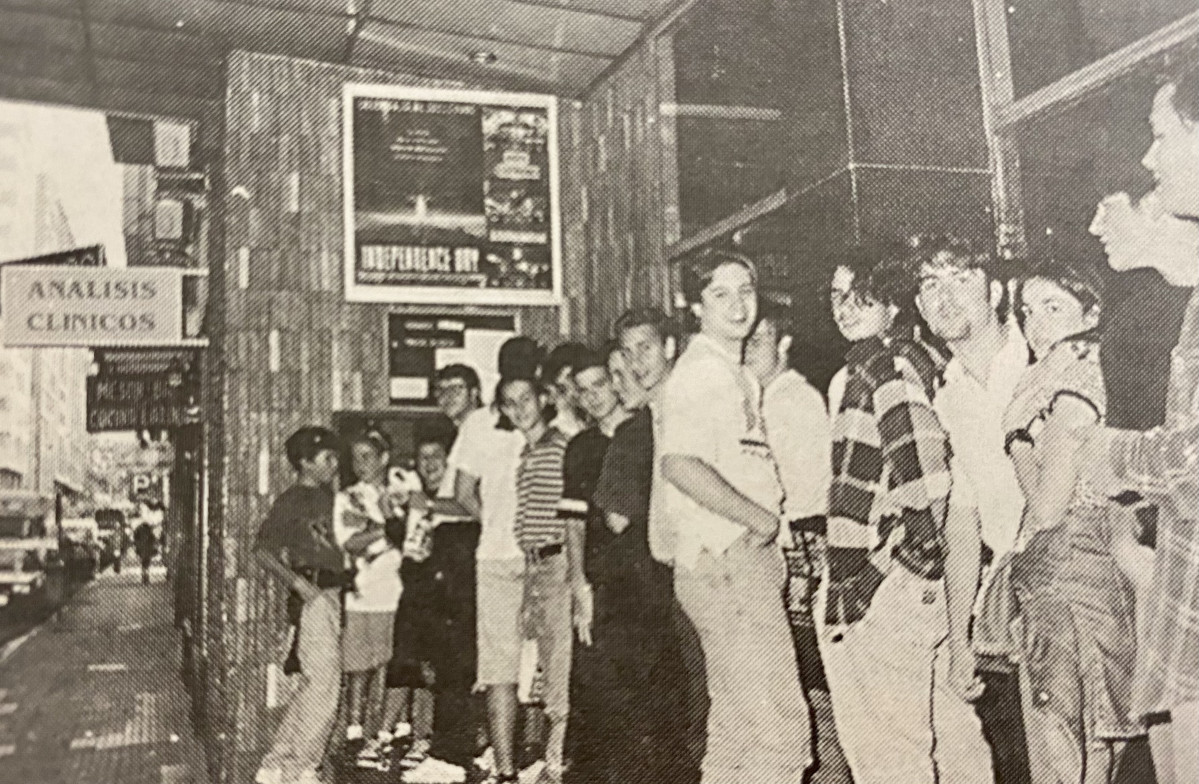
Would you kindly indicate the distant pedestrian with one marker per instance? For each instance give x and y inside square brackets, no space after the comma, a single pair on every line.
[145,543]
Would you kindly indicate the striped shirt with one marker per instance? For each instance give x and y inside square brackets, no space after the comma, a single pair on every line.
[890,468]
[539,484]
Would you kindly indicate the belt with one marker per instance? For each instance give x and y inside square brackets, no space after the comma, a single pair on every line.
[535,554]
[323,578]
[815,524]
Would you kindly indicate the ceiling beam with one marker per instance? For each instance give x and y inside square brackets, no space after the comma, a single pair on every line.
[651,30]
[576,10]
[494,39]
[89,54]
[356,23]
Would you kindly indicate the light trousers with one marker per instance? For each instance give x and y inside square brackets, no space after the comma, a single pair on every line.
[301,737]
[759,728]
[888,678]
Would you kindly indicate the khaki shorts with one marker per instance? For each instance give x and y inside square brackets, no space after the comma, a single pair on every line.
[366,640]
[500,592]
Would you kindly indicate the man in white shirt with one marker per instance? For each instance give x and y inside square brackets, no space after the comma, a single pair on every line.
[723,498]
[486,459]
[960,296]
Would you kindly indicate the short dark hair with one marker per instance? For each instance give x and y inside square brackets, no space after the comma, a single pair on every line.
[946,250]
[306,443]
[646,317]
[564,355]
[374,438]
[1081,280]
[589,359]
[1186,91]
[465,373]
[608,349]
[520,356]
[697,273]
[860,261]
[435,430]
[778,315]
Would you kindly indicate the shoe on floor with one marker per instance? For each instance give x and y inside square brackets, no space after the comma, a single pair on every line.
[269,776]
[308,777]
[374,755]
[486,760]
[434,771]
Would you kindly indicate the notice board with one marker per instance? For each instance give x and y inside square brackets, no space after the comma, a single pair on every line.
[419,344]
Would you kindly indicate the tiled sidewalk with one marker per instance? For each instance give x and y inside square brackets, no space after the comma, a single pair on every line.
[93,696]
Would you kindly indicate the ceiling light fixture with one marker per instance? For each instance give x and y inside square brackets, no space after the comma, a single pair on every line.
[482,57]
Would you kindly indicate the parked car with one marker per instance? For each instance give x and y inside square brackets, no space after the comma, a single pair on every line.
[27,543]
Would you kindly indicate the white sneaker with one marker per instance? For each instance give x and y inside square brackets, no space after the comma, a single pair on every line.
[354,732]
[269,776]
[308,777]
[374,756]
[435,771]
[402,730]
[486,760]
[531,774]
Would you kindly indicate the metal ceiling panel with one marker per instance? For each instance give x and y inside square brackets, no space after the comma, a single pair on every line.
[630,9]
[30,62]
[514,22]
[164,46]
[322,7]
[385,45]
[53,33]
[56,7]
[149,77]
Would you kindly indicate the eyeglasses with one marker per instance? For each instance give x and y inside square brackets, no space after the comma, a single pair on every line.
[450,388]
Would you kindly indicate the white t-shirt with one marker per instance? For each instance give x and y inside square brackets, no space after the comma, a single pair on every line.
[972,413]
[377,584]
[711,409]
[797,427]
[493,456]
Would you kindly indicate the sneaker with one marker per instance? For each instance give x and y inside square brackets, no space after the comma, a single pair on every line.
[374,756]
[434,771]
[269,776]
[354,732]
[417,753]
[532,774]
[549,774]
[486,760]
[309,776]
[402,730]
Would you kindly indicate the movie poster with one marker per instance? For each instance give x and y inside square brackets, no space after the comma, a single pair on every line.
[451,197]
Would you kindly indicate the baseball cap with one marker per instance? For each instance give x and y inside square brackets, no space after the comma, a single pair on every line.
[307,442]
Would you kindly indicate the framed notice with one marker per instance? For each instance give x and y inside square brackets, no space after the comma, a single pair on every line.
[451,196]
[420,343]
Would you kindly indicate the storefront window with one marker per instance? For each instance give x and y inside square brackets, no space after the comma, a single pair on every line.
[1051,38]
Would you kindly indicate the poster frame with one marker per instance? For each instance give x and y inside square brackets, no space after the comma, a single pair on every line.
[448,295]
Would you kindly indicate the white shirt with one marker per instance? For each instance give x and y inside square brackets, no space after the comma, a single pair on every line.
[711,410]
[836,391]
[377,584]
[493,456]
[984,478]
[661,535]
[797,427]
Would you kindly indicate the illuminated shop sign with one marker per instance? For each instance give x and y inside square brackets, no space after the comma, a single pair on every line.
[80,306]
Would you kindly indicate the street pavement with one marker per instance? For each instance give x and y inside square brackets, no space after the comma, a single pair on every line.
[93,694]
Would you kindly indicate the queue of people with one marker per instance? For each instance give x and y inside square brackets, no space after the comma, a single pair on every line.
[971,489]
